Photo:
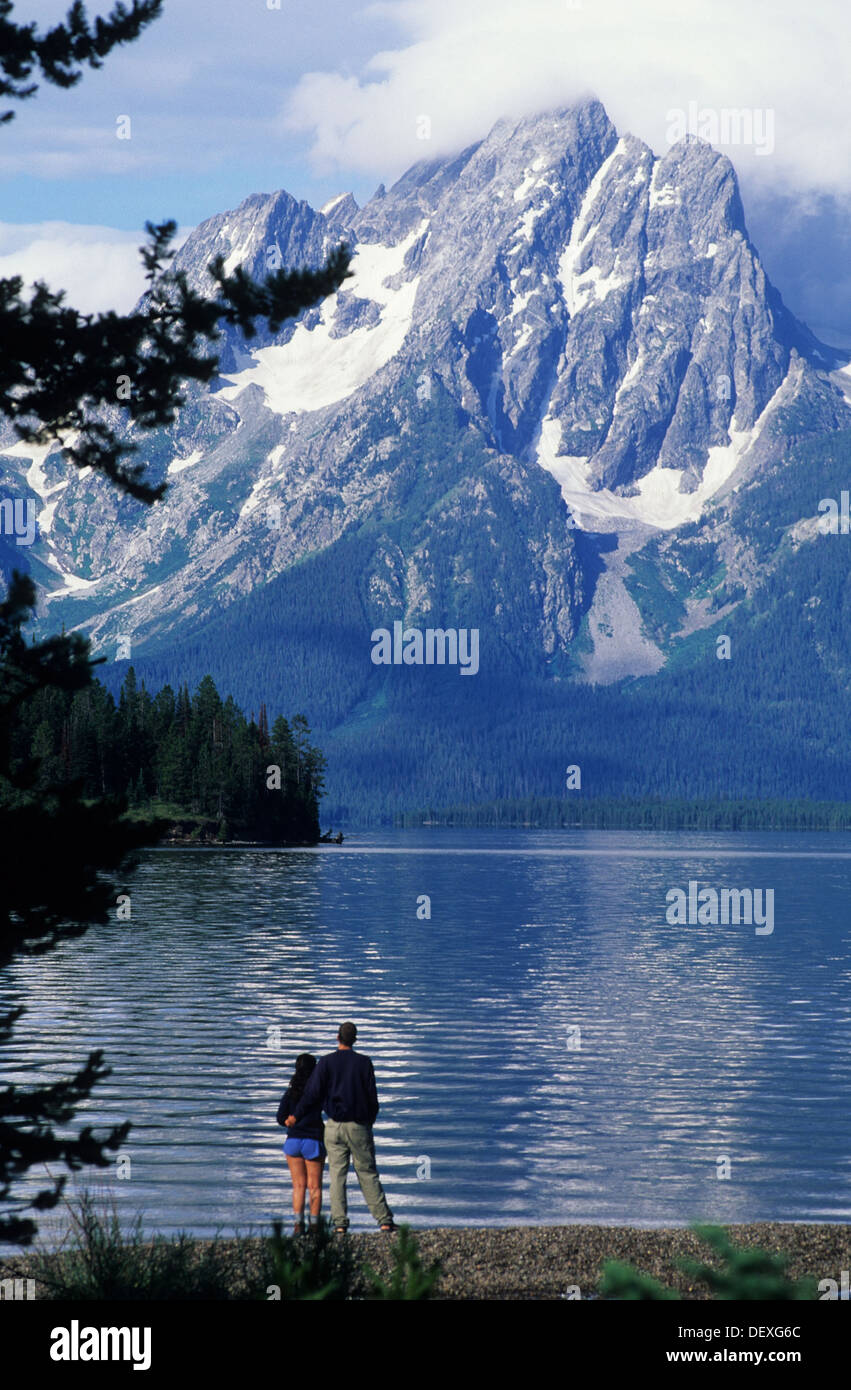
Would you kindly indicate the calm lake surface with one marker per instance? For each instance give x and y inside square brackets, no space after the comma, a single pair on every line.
[548,1048]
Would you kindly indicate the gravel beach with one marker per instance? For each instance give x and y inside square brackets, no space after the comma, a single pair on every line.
[545,1262]
[542,1262]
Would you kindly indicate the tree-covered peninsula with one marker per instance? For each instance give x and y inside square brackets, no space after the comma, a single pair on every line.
[193,761]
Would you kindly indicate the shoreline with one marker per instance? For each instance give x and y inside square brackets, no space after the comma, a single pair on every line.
[188,843]
[192,832]
[543,1263]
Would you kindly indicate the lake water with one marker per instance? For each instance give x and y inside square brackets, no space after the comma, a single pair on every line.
[548,1047]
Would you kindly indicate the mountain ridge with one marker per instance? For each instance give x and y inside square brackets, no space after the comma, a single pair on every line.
[538,408]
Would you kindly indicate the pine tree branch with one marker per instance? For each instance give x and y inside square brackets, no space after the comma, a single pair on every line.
[60,53]
[79,380]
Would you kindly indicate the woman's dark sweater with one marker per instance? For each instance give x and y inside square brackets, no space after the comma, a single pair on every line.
[310,1125]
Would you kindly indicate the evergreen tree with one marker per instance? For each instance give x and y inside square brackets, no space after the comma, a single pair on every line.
[38,909]
[58,380]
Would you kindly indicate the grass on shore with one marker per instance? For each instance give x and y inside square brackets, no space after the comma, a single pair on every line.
[101,1261]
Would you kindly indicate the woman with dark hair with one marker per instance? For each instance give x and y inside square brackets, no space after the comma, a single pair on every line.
[305,1147]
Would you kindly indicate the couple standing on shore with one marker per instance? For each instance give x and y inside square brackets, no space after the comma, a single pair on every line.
[343,1085]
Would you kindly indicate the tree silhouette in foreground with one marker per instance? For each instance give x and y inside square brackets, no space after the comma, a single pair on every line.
[59,371]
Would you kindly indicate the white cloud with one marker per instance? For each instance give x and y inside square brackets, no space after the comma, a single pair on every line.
[206,87]
[98,267]
[201,86]
[466,63]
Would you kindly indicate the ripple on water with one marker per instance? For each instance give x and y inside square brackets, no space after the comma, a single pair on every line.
[548,1048]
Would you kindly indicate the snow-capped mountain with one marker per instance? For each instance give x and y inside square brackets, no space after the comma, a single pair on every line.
[556,351]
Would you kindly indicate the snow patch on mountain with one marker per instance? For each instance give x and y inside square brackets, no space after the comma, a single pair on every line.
[525,188]
[116,608]
[333,203]
[313,369]
[37,480]
[269,478]
[72,583]
[659,503]
[591,282]
[37,453]
[526,227]
[238,255]
[665,195]
[178,465]
[45,516]
[578,235]
[842,377]
[531,178]
[519,301]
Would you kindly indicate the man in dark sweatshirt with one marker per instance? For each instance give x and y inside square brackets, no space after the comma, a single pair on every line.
[343,1085]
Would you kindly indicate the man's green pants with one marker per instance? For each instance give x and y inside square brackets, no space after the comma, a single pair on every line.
[344,1140]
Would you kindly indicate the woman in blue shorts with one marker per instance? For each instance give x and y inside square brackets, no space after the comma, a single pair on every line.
[305,1147]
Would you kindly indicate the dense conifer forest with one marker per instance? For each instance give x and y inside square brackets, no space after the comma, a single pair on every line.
[194,761]
[642,813]
[769,725]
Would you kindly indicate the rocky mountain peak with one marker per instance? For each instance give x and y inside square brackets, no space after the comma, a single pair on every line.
[553,331]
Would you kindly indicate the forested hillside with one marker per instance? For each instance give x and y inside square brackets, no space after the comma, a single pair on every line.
[768,724]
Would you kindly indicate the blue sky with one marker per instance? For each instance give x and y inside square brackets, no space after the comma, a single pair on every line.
[207,87]
[230,97]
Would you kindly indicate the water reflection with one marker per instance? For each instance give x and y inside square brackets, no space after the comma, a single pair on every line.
[554,1048]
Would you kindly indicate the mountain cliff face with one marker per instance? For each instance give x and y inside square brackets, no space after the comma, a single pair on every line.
[534,408]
